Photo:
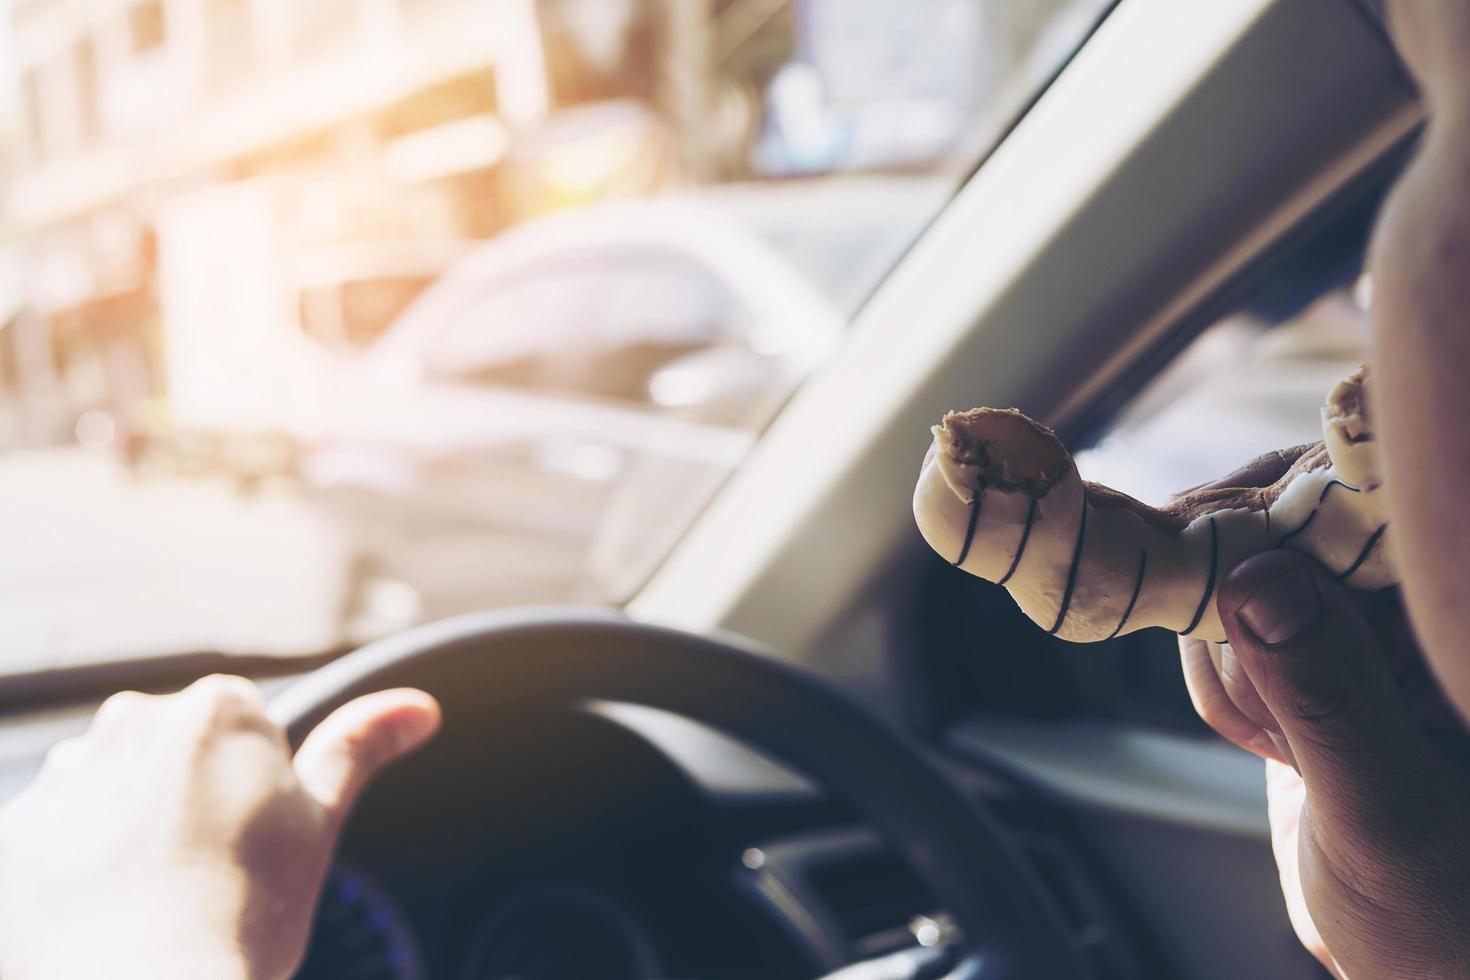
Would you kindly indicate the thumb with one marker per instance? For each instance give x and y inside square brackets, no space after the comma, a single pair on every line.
[1318,669]
[355,742]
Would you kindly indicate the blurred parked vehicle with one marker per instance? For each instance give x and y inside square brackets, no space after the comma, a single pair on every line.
[630,350]
[346,296]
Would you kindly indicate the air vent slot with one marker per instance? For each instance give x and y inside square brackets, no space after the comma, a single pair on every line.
[872,895]
[1094,922]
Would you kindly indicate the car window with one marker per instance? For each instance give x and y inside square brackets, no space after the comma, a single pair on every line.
[1246,386]
[330,318]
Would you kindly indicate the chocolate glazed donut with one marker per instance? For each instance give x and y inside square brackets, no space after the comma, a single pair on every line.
[1000,497]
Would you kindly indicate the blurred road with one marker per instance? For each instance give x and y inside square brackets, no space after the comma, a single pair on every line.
[94,566]
[99,565]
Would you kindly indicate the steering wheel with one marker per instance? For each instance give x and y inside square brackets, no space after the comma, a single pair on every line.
[482,664]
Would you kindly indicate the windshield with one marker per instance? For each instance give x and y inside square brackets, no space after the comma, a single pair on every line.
[318,320]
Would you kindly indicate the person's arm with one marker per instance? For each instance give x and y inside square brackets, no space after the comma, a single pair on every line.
[1420,268]
[178,838]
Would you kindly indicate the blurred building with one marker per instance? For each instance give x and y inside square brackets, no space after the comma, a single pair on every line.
[114,93]
[125,106]
[196,181]
[373,121]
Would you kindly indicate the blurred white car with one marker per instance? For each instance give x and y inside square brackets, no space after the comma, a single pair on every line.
[346,295]
[605,364]
[570,326]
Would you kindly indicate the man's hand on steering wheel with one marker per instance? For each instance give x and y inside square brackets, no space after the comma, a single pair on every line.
[178,837]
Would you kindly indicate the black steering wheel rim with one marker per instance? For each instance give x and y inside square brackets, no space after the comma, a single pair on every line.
[550,657]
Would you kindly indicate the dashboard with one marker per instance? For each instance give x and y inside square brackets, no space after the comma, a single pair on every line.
[361,932]
[534,931]
[619,859]
[624,842]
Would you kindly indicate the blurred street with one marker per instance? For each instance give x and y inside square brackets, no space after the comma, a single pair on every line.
[99,565]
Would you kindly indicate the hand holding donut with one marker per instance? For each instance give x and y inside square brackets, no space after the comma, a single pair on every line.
[1001,498]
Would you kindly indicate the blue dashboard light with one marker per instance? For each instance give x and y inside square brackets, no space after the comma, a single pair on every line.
[360,933]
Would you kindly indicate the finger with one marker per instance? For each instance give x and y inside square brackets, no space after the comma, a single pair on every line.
[1262,471]
[122,708]
[1242,692]
[355,742]
[1239,687]
[1213,704]
[223,689]
[63,761]
[65,755]
[227,703]
[1317,667]
[1283,748]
